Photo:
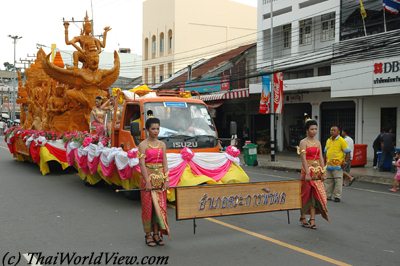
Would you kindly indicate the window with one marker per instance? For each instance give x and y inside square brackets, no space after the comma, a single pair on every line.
[305,31]
[169,41]
[328,26]
[324,71]
[146,75]
[161,44]
[161,70]
[146,49]
[299,74]
[153,47]
[169,70]
[153,75]
[287,38]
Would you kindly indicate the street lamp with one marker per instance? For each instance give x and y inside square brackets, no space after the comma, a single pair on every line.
[13,98]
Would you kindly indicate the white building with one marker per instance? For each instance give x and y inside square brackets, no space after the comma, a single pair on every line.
[177,33]
[311,40]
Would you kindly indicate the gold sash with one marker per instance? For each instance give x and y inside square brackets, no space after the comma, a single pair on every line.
[156,175]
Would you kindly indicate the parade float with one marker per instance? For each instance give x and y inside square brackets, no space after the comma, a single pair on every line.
[57,123]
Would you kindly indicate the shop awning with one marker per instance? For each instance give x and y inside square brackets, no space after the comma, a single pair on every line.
[235,94]
[224,95]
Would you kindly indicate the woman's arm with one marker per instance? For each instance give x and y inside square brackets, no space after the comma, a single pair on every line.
[321,161]
[142,164]
[304,160]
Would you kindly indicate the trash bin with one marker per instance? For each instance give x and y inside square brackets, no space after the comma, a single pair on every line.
[250,154]
[387,164]
[359,155]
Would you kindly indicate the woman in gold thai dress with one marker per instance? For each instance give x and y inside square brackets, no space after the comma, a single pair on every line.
[312,175]
[97,117]
[154,183]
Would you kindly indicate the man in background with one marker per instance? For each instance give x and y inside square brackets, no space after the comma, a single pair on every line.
[347,164]
[336,154]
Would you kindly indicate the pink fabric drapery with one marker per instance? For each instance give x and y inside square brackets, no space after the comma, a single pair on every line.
[107,170]
[215,174]
[82,162]
[92,165]
[71,157]
[126,173]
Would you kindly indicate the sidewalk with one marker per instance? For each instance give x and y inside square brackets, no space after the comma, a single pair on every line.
[290,161]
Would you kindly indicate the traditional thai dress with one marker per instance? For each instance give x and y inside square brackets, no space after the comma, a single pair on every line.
[313,191]
[154,202]
[97,124]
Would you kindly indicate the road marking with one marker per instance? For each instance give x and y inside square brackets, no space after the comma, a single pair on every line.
[32,259]
[279,243]
[275,241]
[3,147]
[374,191]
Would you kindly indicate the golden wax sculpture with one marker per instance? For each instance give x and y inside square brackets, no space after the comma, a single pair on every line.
[61,99]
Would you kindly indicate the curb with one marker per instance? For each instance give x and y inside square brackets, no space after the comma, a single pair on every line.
[359,178]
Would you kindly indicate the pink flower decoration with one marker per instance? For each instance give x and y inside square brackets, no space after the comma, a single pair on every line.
[87,141]
[187,154]
[132,154]
[233,151]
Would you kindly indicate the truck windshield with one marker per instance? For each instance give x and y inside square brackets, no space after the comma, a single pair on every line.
[181,119]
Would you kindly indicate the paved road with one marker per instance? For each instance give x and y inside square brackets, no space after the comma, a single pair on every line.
[58,213]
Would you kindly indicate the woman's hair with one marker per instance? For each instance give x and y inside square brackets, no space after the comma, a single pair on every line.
[99,98]
[309,123]
[152,120]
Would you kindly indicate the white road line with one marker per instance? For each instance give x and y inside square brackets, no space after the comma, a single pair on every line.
[32,259]
[360,189]
[374,191]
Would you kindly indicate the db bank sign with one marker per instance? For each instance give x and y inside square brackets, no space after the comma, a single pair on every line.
[387,72]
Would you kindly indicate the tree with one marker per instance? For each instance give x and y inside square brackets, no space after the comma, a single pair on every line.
[8,66]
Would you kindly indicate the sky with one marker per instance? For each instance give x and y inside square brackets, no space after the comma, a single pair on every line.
[41,22]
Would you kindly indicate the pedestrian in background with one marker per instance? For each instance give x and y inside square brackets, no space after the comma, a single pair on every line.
[376,145]
[313,196]
[396,178]
[347,164]
[2,126]
[337,153]
[387,145]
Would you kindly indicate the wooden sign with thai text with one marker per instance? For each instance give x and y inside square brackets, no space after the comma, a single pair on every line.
[232,199]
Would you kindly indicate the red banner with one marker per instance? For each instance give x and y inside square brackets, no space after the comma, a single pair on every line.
[278,92]
[266,94]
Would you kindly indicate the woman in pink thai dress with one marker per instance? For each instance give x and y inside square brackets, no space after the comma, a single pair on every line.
[154,183]
[313,194]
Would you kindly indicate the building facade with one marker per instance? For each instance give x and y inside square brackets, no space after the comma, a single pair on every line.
[176,33]
[328,60]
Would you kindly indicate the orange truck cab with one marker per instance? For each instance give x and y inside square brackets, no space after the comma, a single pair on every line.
[184,122]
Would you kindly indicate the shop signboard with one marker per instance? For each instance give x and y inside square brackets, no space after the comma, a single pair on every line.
[205,86]
[372,77]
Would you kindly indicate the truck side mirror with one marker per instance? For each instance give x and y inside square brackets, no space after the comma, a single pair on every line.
[233,128]
[135,131]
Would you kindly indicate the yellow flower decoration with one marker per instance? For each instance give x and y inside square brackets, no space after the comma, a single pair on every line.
[121,95]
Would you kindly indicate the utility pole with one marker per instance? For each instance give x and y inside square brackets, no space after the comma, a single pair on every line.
[13,98]
[272,98]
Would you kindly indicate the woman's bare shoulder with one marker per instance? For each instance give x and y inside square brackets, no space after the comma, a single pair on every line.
[143,144]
